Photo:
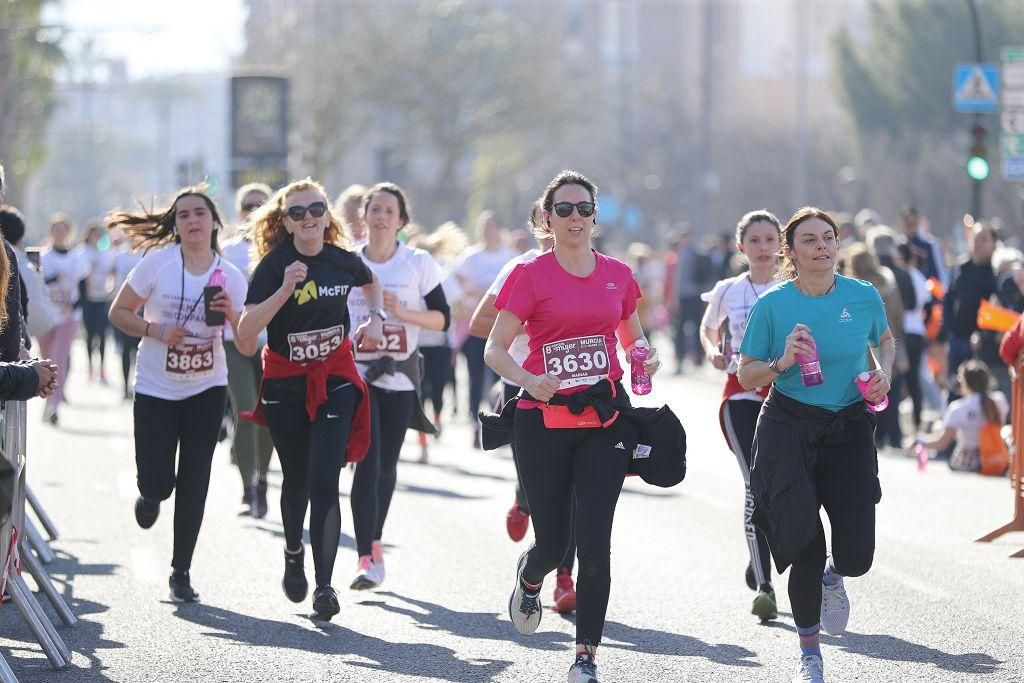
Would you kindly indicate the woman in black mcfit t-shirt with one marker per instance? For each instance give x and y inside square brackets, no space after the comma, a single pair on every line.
[312,397]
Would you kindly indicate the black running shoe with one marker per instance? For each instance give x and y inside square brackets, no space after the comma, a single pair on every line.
[294,582]
[181,588]
[325,602]
[146,512]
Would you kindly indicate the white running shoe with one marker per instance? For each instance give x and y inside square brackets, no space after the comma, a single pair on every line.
[584,670]
[366,577]
[377,555]
[524,609]
[810,670]
[835,609]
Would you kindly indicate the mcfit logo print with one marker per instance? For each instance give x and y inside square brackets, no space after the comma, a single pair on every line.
[310,291]
[307,292]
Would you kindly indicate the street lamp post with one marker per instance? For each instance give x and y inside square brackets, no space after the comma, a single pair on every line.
[978,132]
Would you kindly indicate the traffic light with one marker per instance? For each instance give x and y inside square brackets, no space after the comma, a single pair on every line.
[977,165]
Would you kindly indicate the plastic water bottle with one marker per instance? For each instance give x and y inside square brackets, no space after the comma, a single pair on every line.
[641,380]
[922,455]
[863,380]
[810,368]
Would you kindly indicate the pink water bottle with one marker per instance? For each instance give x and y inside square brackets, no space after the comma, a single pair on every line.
[922,455]
[641,380]
[863,380]
[810,368]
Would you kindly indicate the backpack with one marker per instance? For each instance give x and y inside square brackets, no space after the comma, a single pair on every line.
[994,455]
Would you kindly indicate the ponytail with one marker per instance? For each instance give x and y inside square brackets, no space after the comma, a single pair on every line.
[975,376]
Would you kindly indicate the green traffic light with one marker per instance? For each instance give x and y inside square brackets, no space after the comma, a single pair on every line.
[977,168]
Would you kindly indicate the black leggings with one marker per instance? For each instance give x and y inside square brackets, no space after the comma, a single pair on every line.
[129,348]
[94,317]
[480,376]
[189,427]
[437,366]
[521,501]
[914,343]
[553,464]
[739,419]
[376,475]
[312,455]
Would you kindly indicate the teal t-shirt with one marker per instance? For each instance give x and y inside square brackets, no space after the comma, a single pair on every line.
[843,323]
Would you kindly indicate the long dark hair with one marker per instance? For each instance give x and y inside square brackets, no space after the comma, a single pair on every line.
[975,375]
[154,227]
[787,270]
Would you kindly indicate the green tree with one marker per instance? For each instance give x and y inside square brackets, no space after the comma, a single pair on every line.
[29,57]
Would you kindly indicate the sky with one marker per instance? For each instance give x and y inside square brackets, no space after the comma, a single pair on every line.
[157,36]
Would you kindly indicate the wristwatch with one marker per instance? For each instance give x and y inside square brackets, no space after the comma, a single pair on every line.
[773,365]
[379,312]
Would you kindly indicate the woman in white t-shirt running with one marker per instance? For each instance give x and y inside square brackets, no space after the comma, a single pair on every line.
[965,417]
[181,374]
[729,303]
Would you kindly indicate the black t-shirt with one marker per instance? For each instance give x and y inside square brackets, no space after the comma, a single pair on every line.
[314,320]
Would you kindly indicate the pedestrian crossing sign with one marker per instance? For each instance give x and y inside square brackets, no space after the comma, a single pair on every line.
[976,88]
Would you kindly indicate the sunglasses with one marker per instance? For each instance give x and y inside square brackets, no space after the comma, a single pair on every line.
[251,207]
[316,210]
[564,209]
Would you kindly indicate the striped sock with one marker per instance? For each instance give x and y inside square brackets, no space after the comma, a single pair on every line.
[809,641]
[831,577]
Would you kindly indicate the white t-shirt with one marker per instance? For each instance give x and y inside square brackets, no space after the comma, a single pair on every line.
[452,293]
[410,274]
[479,267]
[966,416]
[174,297]
[238,251]
[913,321]
[731,299]
[520,347]
[62,272]
[124,261]
[100,267]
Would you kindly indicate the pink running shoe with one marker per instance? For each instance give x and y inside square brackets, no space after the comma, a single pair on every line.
[517,522]
[565,593]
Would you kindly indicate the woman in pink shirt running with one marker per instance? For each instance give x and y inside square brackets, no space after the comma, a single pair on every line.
[576,305]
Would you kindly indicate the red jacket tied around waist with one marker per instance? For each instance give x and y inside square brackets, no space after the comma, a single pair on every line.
[339,364]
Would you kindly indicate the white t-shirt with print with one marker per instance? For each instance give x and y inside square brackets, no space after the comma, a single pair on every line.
[62,272]
[410,274]
[966,416]
[478,267]
[731,299]
[174,297]
[100,268]
[520,347]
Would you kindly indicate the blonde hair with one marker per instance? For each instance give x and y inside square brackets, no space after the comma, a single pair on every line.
[445,243]
[266,224]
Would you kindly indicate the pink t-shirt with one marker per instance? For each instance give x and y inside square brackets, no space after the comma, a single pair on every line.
[570,320]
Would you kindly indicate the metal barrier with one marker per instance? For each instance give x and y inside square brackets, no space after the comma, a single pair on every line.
[1016,462]
[19,536]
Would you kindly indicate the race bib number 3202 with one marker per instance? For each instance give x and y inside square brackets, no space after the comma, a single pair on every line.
[189,361]
[583,360]
[304,347]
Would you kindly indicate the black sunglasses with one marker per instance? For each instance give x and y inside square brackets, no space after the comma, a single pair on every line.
[564,209]
[316,210]
[251,206]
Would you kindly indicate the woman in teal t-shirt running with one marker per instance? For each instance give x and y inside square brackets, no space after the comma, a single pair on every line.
[814,445]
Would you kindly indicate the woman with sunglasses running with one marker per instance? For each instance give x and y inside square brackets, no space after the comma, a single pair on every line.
[729,303]
[413,300]
[574,302]
[811,337]
[312,397]
[181,375]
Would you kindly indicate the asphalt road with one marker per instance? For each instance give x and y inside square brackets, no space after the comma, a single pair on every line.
[935,607]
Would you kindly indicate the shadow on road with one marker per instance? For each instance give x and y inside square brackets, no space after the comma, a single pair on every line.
[430,491]
[84,638]
[473,625]
[650,641]
[276,531]
[408,659]
[891,648]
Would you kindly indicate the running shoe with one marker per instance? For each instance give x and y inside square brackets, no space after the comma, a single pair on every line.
[584,670]
[765,608]
[517,521]
[366,577]
[809,670]
[181,588]
[424,451]
[146,512]
[751,580]
[377,555]
[835,609]
[437,426]
[524,607]
[565,593]
[325,602]
[294,582]
[259,504]
[248,500]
